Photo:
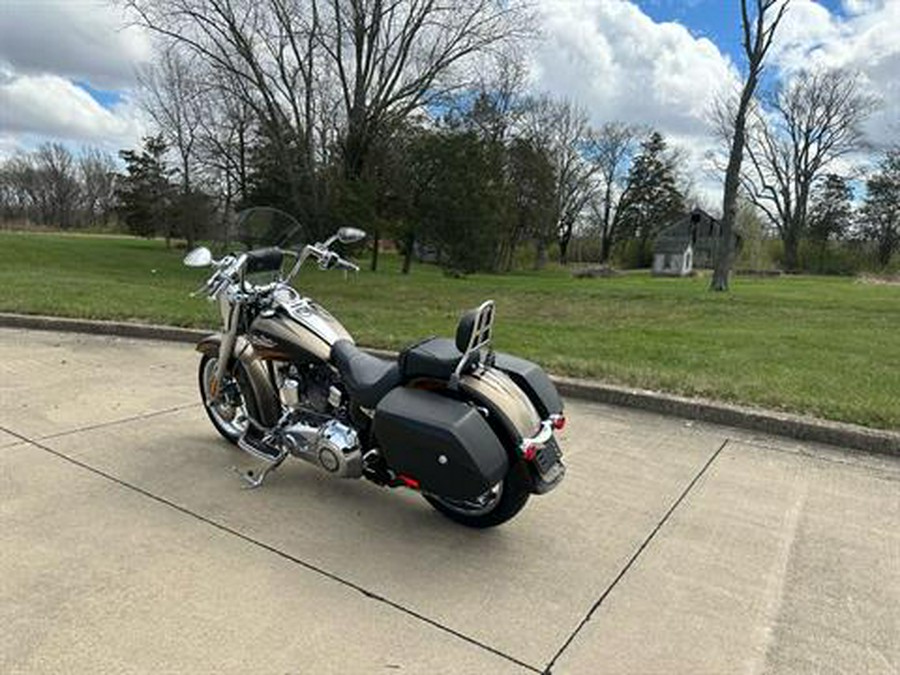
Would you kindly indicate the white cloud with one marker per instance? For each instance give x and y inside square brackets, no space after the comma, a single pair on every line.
[614,60]
[866,41]
[46,47]
[80,40]
[862,6]
[8,146]
[621,65]
[52,106]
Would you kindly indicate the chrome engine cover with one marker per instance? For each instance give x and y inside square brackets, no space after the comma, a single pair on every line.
[333,447]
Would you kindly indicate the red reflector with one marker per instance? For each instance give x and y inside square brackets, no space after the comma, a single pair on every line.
[559,423]
[409,482]
[529,451]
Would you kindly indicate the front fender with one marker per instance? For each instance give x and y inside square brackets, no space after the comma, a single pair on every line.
[210,344]
[265,406]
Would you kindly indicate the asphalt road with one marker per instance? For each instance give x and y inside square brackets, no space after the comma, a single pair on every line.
[128,545]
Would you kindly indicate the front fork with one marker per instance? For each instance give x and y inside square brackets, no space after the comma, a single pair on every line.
[226,348]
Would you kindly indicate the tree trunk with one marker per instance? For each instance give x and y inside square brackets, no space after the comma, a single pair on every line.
[564,248]
[885,250]
[376,244]
[605,247]
[724,249]
[540,258]
[408,253]
[791,252]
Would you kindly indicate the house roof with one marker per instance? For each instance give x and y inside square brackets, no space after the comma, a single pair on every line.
[671,245]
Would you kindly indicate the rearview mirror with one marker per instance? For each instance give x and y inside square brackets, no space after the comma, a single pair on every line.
[199,257]
[350,235]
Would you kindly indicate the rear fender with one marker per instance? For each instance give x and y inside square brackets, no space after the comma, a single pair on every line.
[265,407]
[505,402]
[512,416]
[533,381]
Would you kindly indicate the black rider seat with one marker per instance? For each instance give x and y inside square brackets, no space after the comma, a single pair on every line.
[367,377]
[434,358]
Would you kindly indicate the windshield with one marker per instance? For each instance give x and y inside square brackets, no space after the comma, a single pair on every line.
[263,226]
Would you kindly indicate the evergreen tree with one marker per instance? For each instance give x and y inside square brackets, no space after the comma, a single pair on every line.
[145,192]
[881,211]
[462,201]
[831,214]
[651,199]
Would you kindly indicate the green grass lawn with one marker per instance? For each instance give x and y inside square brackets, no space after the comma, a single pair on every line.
[824,346]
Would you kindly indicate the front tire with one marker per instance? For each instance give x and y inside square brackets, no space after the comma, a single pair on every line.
[228,415]
[494,507]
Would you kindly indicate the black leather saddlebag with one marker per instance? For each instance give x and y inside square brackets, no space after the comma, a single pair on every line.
[444,444]
[531,379]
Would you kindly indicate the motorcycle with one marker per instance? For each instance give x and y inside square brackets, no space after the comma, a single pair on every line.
[471,429]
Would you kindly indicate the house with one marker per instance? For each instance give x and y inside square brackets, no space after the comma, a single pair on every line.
[688,243]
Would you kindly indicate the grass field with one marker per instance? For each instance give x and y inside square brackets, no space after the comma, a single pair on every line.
[824,346]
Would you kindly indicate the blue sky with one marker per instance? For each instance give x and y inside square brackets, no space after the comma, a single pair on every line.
[717,20]
[105,97]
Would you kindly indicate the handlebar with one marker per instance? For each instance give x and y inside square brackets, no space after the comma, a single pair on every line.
[231,269]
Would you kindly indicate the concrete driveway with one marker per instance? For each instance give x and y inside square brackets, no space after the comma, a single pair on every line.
[127,545]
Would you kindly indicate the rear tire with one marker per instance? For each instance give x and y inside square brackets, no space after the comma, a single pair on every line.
[229,417]
[514,492]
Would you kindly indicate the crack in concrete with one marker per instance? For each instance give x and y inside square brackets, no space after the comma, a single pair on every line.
[549,667]
[272,549]
[112,423]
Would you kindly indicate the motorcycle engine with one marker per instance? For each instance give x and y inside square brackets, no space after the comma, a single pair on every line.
[320,432]
[313,389]
[333,446]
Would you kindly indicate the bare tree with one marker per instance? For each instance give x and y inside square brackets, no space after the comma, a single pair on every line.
[610,148]
[815,120]
[321,71]
[500,97]
[560,129]
[265,52]
[97,171]
[19,187]
[758,33]
[58,182]
[225,138]
[172,97]
[391,58]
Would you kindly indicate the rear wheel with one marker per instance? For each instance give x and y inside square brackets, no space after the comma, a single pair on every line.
[228,412]
[496,506]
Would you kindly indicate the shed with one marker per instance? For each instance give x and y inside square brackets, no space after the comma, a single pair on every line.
[689,242]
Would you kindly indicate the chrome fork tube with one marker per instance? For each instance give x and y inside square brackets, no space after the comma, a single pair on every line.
[226,347]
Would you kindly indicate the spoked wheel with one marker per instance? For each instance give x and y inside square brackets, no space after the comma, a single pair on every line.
[496,506]
[229,413]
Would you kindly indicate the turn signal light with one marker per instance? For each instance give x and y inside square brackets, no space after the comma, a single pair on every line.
[559,422]
[409,482]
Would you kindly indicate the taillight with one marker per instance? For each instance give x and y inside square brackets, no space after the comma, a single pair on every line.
[529,451]
[559,422]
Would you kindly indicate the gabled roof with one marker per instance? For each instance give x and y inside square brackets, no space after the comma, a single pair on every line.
[671,245]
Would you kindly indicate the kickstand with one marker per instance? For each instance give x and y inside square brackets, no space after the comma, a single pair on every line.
[251,480]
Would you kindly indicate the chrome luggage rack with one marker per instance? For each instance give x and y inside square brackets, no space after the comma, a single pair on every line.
[480,338]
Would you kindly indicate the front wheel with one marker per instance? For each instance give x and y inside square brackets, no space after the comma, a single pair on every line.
[228,412]
[496,506]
